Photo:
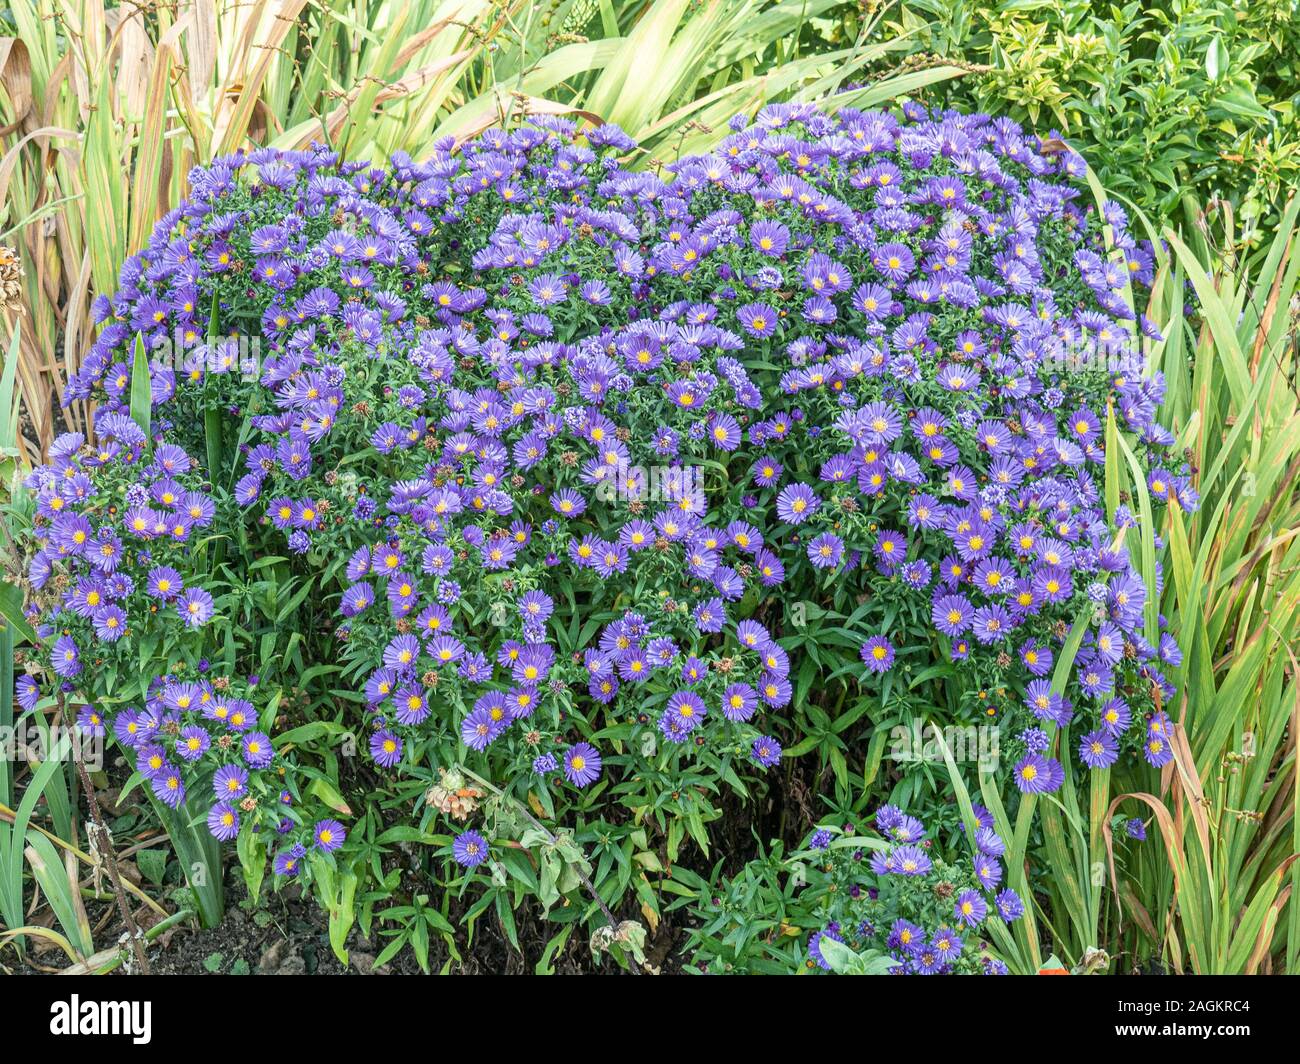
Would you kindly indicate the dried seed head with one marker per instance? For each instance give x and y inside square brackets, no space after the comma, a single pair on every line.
[11,280]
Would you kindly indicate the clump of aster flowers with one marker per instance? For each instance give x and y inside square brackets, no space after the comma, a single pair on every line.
[566,441]
[115,564]
[889,893]
[199,743]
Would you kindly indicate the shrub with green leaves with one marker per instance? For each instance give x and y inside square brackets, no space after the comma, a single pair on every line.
[1174,104]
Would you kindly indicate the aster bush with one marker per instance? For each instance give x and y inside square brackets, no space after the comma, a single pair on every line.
[585,488]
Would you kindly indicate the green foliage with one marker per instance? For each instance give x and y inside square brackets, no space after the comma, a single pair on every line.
[1166,101]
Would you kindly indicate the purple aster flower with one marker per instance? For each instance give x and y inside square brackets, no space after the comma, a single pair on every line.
[878,653]
[739,701]
[1037,774]
[195,607]
[990,842]
[970,908]
[536,606]
[1116,717]
[1098,749]
[582,764]
[257,750]
[110,623]
[687,708]
[65,658]
[288,862]
[946,945]
[826,550]
[766,751]
[480,728]
[910,861]
[223,821]
[230,782]
[192,743]
[470,849]
[27,692]
[1157,750]
[951,614]
[1009,905]
[767,472]
[711,616]
[402,652]
[988,871]
[329,835]
[168,786]
[386,748]
[758,319]
[90,721]
[769,238]
[796,504]
[905,936]
[164,583]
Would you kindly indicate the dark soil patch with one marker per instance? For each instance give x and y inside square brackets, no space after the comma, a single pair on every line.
[286,933]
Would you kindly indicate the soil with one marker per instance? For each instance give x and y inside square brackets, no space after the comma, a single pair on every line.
[287,934]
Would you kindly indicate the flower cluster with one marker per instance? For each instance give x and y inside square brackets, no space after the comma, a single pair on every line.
[566,438]
[114,555]
[891,894]
[208,731]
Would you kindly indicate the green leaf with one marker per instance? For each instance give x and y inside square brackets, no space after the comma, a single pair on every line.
[1216,59]
[844,961]
[57,888]
[141,388]
[327,793]
[11,608]
[152,865]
